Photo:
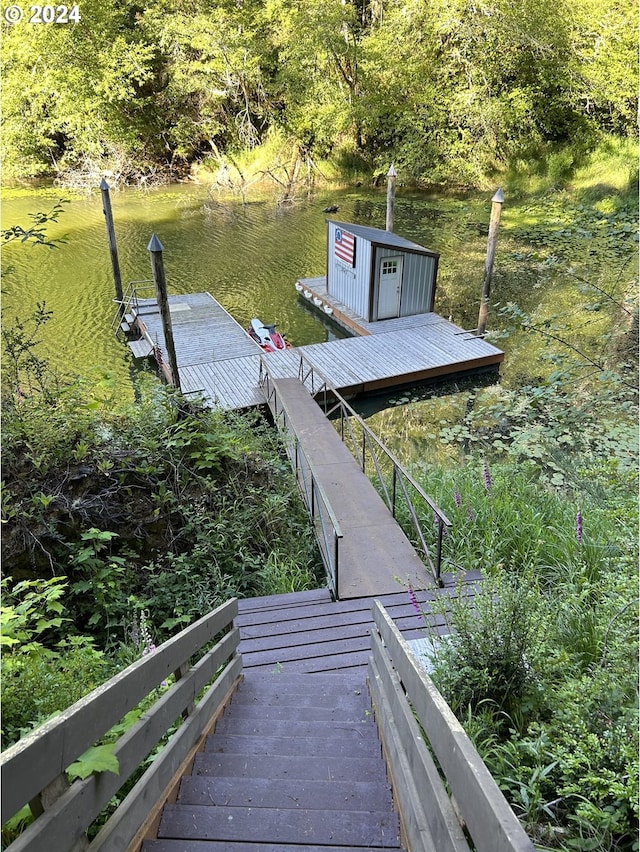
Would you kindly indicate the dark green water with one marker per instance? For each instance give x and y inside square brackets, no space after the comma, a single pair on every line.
[248,256]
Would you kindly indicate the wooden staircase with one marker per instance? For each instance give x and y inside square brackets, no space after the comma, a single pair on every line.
[295,762]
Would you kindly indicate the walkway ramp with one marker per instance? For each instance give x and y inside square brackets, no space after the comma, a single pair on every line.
[376,557]
[295,762]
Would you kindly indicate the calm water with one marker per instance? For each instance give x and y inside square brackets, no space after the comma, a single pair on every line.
[247,256]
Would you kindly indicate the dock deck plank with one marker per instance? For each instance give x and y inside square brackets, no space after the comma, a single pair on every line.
[217,358]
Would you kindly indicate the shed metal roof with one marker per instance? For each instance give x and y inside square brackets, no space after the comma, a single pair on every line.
[383,238]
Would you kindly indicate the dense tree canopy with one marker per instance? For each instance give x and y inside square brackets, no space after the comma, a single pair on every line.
[446,88]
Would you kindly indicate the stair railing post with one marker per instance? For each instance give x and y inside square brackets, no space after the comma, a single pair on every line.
[393,489]
[439,553]
[364,450]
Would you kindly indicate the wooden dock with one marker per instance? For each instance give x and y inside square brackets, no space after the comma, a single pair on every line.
[218,360]
[308,632]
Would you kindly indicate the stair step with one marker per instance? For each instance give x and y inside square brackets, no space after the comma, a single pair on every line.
[336,730]
[140,348]
[304,680]
[335,768]
[288,692]
[287,793]
[238,846]
[272,825]
[291,746]
[333,713]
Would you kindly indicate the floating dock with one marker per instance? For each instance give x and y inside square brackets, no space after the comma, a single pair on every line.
[219,361]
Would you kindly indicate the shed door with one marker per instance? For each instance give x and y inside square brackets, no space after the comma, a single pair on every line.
[390,287]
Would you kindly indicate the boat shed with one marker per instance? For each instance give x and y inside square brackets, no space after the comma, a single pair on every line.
[379,274]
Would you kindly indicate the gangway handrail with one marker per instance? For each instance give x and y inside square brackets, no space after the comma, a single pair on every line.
[333,402]
[34,769]
[309,483]
[131,298]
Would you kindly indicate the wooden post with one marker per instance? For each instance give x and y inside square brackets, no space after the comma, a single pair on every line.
[155,249]
[496,208]
[113,249]
[391,196]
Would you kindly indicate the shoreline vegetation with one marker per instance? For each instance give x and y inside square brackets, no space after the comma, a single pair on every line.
[448,91]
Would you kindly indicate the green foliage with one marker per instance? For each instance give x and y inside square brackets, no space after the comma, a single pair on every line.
[489,657]
[29,609]
[96,759]
[42,673]
[542,668]
[447,89]
[37,233]
[165,506]
[39,685]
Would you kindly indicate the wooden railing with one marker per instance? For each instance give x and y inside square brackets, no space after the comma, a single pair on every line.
[33,770]
[409,710]
[328,532]
[395,484]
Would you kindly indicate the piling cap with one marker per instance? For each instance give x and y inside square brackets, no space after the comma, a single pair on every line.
[392,172]
[155,244]
[498,198]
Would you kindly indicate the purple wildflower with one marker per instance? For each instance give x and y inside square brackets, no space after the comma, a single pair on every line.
[457,498]
[487,477]
[414,599]
[470,514]
[145,642]
[579,527]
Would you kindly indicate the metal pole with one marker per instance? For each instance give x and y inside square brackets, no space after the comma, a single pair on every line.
[113,249]
[155,248]
[394,484]
[496,208]
[439,554]
[391,196]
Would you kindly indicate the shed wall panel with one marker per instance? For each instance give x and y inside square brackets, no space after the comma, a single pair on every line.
[350,285]
[418,281]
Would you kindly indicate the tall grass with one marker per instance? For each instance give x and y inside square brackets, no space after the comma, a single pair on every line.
[542,668]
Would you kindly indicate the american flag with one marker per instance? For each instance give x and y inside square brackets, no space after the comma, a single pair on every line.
[345,247]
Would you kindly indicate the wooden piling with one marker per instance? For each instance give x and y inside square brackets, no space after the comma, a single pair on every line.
[391,196]
[155,249]
[496,208]
[113,248]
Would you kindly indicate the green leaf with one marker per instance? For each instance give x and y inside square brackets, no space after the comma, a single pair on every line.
[95,759]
